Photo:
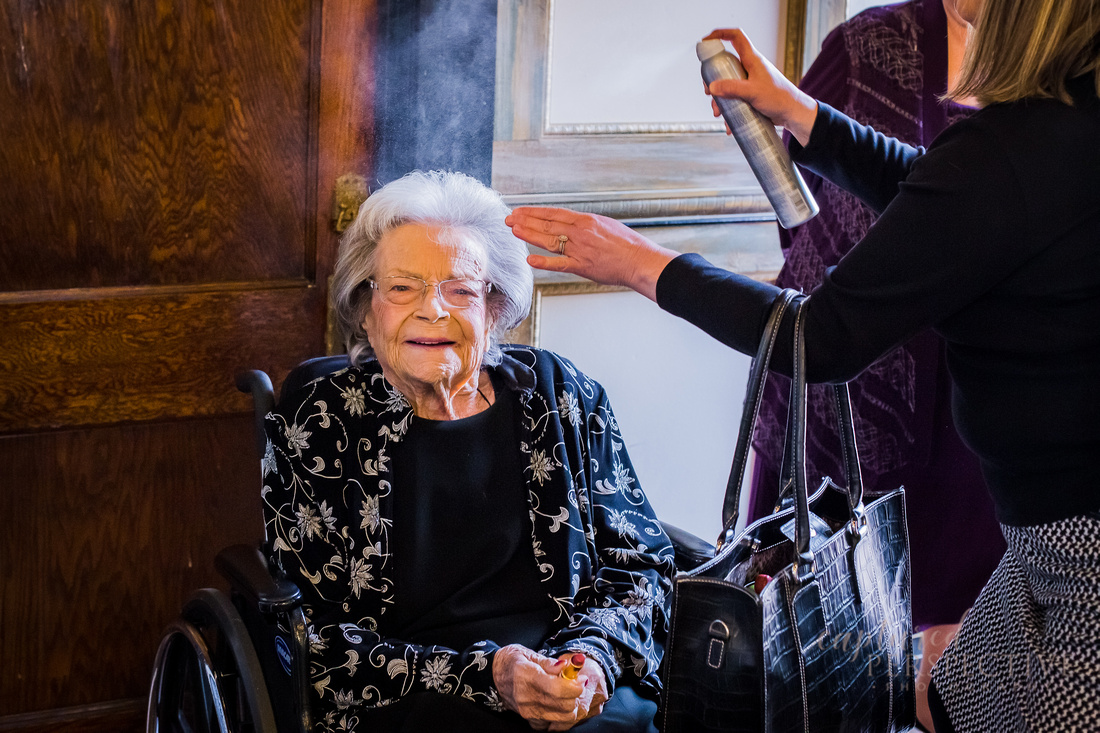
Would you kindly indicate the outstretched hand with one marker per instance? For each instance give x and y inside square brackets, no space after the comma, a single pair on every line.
[765,88]
[532,686]
[599,248]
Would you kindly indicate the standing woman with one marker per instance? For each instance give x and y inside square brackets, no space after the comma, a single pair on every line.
[889,67]
[992,237]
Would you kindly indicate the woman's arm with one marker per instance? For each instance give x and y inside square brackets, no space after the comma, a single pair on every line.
[956,227]
[354,665]
[953,228]
[855,157]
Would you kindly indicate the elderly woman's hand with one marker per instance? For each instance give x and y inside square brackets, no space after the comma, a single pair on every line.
[765,88]
[532,686]
[592,246]
[592,699]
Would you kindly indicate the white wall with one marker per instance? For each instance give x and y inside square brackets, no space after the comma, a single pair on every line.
[633,61]
[677,394]
[858,6]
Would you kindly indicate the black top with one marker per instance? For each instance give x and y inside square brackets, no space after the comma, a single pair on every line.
[993,238]
[461,537]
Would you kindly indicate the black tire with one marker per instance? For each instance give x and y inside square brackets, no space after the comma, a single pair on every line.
[207,678]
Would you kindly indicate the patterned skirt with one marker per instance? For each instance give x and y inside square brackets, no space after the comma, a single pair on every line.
[1027,657]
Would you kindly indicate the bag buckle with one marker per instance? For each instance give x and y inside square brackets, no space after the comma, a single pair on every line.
[856,528]
[716,650]
[805,569]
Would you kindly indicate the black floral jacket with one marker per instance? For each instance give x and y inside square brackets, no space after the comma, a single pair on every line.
[602,555]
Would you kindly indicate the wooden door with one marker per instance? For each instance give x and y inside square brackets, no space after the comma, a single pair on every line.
[166,172]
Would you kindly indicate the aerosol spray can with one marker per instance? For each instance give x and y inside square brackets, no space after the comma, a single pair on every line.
[756,135]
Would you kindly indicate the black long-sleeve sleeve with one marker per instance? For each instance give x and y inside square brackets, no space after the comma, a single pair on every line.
[855,157]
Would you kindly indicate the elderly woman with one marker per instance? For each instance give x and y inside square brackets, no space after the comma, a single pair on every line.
[462,517]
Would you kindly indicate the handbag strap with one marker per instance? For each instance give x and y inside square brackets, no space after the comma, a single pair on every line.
[804,558]
[795,461]
[842,403]
[753,394]
[842,409]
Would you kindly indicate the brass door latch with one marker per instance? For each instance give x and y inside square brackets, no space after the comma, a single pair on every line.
[350,192]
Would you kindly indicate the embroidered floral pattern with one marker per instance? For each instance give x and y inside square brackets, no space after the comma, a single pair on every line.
[353,400]
[267,464]
[296,439]
[309,522]
[360,576]
[623,479]
[639,601]
[371,517]
[327,485]
[605,617]
[621,524]
[541,466]
[569,409]
[434,674]
[344,699]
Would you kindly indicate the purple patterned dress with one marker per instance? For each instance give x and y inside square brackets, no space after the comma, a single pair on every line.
[886,67]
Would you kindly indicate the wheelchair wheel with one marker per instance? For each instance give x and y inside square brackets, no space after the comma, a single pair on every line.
[206,677]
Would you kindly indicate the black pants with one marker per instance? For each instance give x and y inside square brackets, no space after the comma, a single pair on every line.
[625,712]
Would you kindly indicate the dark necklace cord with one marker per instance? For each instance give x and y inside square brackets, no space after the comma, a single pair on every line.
[483,395]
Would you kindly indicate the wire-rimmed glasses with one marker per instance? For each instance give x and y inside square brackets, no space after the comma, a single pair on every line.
[456,293]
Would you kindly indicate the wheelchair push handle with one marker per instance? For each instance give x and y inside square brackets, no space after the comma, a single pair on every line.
[258,384]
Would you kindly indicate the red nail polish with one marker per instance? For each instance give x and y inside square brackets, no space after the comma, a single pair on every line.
[575,663]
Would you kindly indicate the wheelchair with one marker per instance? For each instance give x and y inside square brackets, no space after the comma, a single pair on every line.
[239,662]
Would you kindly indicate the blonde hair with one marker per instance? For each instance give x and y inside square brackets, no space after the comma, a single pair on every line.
[1029,48]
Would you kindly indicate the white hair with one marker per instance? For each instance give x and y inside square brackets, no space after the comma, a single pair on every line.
[462,207]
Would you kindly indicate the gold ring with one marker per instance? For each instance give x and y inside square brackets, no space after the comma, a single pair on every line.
[562,239]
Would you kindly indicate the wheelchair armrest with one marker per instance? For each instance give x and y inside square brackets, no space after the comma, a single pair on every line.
[246,570]
[691,551]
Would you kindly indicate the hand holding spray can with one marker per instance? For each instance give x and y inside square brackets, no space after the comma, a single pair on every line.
[758,140]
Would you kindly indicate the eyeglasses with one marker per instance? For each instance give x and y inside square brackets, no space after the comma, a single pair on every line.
[459,293]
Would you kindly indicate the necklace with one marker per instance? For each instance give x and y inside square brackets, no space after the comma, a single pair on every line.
[483,396]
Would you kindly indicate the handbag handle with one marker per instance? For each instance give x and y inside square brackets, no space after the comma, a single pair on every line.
[842,404]
[753,394]
[842,409]
[804,558]
[797,456]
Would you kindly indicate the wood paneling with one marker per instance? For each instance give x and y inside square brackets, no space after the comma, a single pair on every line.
[159,143]
[109,531]
[345,125]
[117,716]
[140,354]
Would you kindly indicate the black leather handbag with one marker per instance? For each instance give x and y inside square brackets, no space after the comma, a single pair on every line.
[801,622]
